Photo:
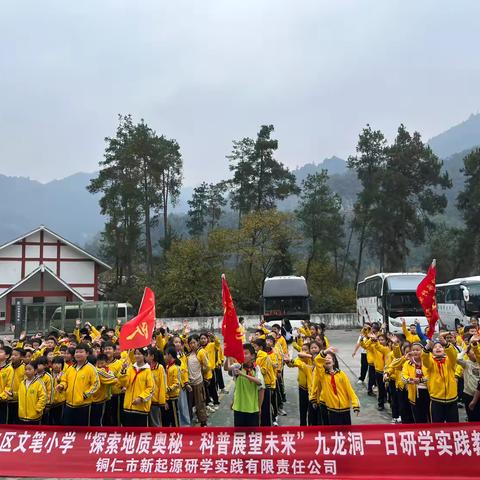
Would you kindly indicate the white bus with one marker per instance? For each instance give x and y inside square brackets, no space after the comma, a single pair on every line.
[458,300]
[387,298]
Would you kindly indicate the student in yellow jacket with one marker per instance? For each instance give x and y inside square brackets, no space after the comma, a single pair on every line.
[410,332]
[32,397]
[415,377]
[173,388]
[263,360]
[376,345]
[337,391]
[159,399]
[440,361]
[18,365]
[79,382]
[207,343]
[304,380]
[6,381]
[137,379]
[56,410]
[107,380]
[114,406]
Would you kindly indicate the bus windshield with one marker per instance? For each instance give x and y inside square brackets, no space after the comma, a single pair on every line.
[286,304]
[403,304]
[473,304]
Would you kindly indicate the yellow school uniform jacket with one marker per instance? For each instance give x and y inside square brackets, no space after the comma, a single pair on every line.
[409,372]
[80,384]
[161,341]
[106,380]
[315,394]
[379,353]
[210,348]
[442,385]
[394,371]
[409,337]
[6,382]
[58,397]
[183,357]
[173,381]
[305,372]
[18,376]
[337,392]
[115,367]
[139,383]
[268,371]
[48,382]
[283,344]
[160,380]
[203,359]
[31,400]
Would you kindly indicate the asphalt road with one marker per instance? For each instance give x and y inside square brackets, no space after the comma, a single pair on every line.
[344,340]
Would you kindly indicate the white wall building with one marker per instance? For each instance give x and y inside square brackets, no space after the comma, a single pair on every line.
[43,267]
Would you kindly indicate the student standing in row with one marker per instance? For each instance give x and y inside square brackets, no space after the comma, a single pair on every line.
[32,396]
[6,381]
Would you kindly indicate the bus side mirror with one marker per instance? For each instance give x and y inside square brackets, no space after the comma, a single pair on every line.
[466,293]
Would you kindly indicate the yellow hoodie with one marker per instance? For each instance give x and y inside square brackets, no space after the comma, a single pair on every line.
[337,392]
[409,371]
[106,379]
[160,379]
[442,385]
[18,376]
[32,400]
[80,383]
[305,372]
[268,371]
[173,381]
[6,382]
[378,352]
[139,383]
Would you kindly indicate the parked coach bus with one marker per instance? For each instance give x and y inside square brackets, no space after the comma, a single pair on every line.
[286,298]
[387,298]
[458,300]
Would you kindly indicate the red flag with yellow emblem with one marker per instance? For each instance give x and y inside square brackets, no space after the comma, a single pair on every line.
[232,335]
[137,333]
[426,294]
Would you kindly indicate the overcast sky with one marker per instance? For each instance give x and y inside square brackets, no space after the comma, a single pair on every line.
[207,72]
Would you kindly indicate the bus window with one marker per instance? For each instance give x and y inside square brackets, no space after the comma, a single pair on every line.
[121,312]
[453,295]
[440,295]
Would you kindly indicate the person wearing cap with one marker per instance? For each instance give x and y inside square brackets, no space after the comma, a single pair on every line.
[6,382]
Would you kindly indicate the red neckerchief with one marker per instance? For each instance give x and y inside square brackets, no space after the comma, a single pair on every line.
[249,370]
[137,372]
[153,366]
[440,363]
[333,383]
[418,368]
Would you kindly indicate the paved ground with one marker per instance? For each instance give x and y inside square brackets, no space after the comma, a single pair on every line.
[344,340]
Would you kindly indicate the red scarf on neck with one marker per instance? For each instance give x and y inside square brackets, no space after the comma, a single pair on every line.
[333,383]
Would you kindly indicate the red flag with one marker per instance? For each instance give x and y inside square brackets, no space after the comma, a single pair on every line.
[137,333]
[426,294]
[232,335]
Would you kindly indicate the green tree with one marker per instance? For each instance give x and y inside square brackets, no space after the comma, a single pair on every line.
[259,180]
[215,202]
[319,213]
[198,209]
[468,202]
[369,164]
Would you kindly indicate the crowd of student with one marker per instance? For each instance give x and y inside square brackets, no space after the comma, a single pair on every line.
[83,379]
[423,380]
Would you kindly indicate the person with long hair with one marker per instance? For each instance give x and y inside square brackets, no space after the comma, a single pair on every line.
[173,387]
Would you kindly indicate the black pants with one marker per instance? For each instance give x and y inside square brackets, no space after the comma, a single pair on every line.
[303,405]
[363,367]
[460,386]
[111,417]
[3,413]
[13,413]
[339,418]
[219,378]
[421,409]
[171,414]
[472,415]
[274,400]
[281,384]
[266,412]
[394,400]
[29,422]
[211,390]
[242,419]
[121,410]
[444,411]
[77,417]
[314,417]
[324,414]
[133,419]
[405,407]
[46,416]
[371,378]
[96,414]
[381,391]
[56,414]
